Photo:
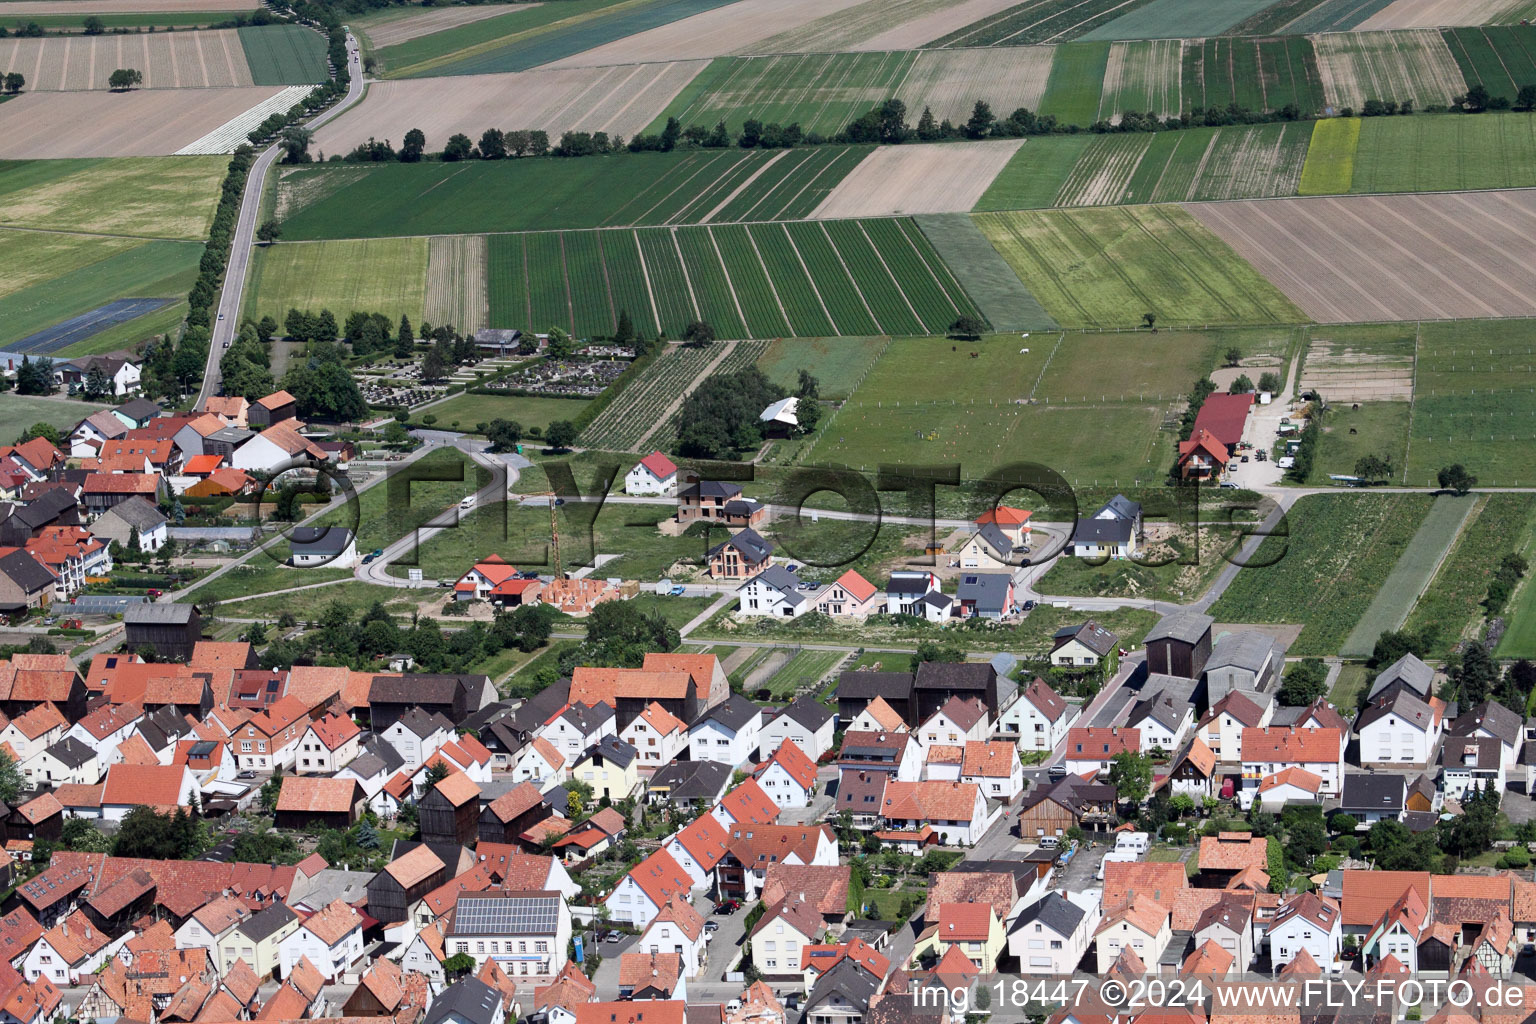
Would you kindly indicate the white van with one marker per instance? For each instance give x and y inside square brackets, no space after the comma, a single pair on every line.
[1114,857]
[1135,842]
[468,503]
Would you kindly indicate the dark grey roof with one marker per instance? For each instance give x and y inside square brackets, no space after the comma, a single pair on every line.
[1485,752]
[135,511]
[869,685]
[467,999]
[937,599]
[996,540]
[267,922]
[1187,627]
[588,717]
[988,590]
[1408,670]
[139,408]
[159,614]
[1120,507]
[71,752]
[485,716]
[686,781]
[418,688]
[710,489]
[733,713]
[1495,719]
[232,435]
[1090,634]
[1159,709]
[25,571]
[1055,912]
[908,583]
[741,507]
[954,675]
[782,580]
[531,715]
[319,540]
[751,544]
[615,750]
[807,711]
[423,723]
[1101,531]
[1403,703]
[1372,791]
[1247,649]
[1420,821]
[366,766]
[848,979]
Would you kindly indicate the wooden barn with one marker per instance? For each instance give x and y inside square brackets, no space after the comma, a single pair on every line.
[450,811]
[171,629]
[334,803]
[409,876]
[1180,645]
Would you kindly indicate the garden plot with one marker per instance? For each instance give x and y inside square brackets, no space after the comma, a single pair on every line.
[616,100]
[1359,66]
[1436,13]
[168,60]
[456,283]
[151,122]
[1362,372]
[1143,76]
[896,180]
[426,20]
[1351,258]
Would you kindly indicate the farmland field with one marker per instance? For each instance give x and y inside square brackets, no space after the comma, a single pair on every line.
[838,364]
[517,195]
[1452,606]
[1355,258]
[1413,573]
[1260,74]
[1356,430]
[1036,174]
[1298,16]
[1092,368]
[897,180]
[162,120]
[1330,163]
[128,334]
[18,412]
[181,18]
[284,54]
[78,330]
[84,273]
[616,100]
[745,26]
[843,278]
[394,25]
[875,25]
[1076,83]
[1435,13]
[168,60]
[646,401]
[376,275]
[1501,58]
[1143,76]
[456,282]
[1340,550]
[1240,162]
[1472,401]
[1178,19]
[152,198]
[1409,65]
[1428,153]
[1105,267]
[523,40]
[1038,21]
[992,283]
[822,92]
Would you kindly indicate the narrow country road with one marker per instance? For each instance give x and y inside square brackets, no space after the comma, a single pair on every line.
[228,317]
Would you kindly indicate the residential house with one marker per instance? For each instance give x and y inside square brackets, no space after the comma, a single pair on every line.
[652,977]
[1286,787]
[1093,749]
[653,475]
[1398,728]
[1141,925]
[789,777]
[593,837]
[658,737]
[994,768]
[311,547]
[1000,540]
[899,755]
[1399,931]
[877,716]
[958,721]
[468,1001]
[677,929]
[754,848]
[1272,749]
[1213,438]
[328,745]
[331,939]
[481,581]
[1051,935]
[211,923]
[164,787]
[1495,721]
[68,953]
[541,764]
[687,783]
[1369,797]
[1306,923]
[716,501]
[91,433]
[1194,772]
[24,582]
[257,940]
[849,596]
[957,811]
[610,767]
[271,739]
[805,722]
[647,888]
[781,934]
[579,728]
[28,735]
[844,994]
[1114,531]
[417,734]
[1469,763]
[698,848]
[67,761]
[728,732]
[774,591]
[1164,722]
[1221,728]
[135,522]
[525,933]
[906,591]
[1228,924]
[984,595]
[740,556]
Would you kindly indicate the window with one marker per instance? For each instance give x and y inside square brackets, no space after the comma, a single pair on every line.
[479,947]
[1055,943]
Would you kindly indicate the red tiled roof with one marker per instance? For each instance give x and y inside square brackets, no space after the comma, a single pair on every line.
[1367,895]
[1224,416]
[1277,744]
[660,877]
[1096,744]
[705,839]
[660,466]
[793,760]
[650,970]
[859,588]
[990,759]
[303,794]
[156,785]
[1158,881]
[965,922]
[332,923]
[748,804]
[932,800]
[1233,851]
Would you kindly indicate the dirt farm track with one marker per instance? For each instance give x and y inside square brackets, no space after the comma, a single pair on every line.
[151,122]
[1410,257]
[169,60]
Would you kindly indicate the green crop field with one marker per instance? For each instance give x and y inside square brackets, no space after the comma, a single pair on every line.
[284,54]
[1473,404]
[1324,574]
[526,39]
[130,333]
[375,275]
[1077,81]
[1298,16]
[1106,267]
[1412,64]
[838,364]
[82,273]
[1034,176]
[1519,640]
[1240,162]
[1178,19]
[18,412]
[464,412]
[1415,568]
[1260,74]
[151,197]
[1330,165]
[1359,429]
[1143,75]
[1038,21]
[1501,58]
[991,282]
[809,279]
[1093,368]
[1452,607]
[524,195]
[1428,153]
[821,92]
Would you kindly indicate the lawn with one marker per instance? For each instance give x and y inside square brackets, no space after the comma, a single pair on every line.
[466,412]
[1098,368]
[1431,152]
[838,364]
[307,604]
[1330,166]
[380,275]
[1453,604]
[1519,640]
[18,412]
[263,574]
[150,197]
[1358,429]
[151,270]
[1325,572]
[1077,81]
[284,54]
[1347,687]
[410,498]
[1412,574]
[1106,267]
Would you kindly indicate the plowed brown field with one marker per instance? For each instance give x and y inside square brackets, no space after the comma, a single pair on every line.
[55,125]
[168,60]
